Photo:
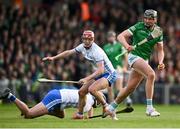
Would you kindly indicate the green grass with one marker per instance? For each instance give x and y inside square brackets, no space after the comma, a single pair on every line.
[170,118]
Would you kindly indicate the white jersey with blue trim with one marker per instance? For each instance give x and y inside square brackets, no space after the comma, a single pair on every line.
[70,98]
[95,54]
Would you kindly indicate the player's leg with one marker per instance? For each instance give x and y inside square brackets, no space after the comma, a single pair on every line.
[119,85]
[110,94]
[120,88]
[115,88]
[82,100]
[134,79]
[36,111]
[94,89]
[98,85]
[49,103]
[103,82]
[145,69]
[58,113]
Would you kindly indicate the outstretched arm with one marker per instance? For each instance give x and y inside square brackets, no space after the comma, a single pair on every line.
[60,55]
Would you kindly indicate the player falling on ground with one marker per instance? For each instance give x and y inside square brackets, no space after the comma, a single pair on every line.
[54,103]
[138,60]
[112,49]
[103,77]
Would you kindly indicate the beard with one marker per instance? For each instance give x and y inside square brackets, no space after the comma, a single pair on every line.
[149,26]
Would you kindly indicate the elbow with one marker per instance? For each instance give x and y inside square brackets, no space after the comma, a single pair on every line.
[122,36]
[119,37]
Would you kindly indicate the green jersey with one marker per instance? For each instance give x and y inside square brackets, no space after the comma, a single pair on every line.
[112,50]
[140,32]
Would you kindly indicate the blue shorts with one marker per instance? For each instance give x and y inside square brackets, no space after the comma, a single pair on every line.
[110,77]
[52,100]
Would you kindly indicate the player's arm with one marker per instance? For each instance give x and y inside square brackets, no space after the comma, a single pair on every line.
[160,51]
[99,71]
[60,55]
[123,39]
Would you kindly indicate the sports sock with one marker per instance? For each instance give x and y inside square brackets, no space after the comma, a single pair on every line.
[149,103]
[114,105]
[128,100]
[11,97]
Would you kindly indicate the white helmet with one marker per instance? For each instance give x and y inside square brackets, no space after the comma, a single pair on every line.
[88,34]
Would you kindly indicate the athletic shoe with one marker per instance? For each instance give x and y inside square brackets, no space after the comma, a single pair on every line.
[152,112]
[77,116]
[4,93]
[115,117]
[128,104]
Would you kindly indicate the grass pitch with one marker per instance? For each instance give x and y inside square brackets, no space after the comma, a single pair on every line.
[170,118]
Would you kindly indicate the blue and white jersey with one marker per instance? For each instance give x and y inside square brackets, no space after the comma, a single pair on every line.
[70,98]
[95,54]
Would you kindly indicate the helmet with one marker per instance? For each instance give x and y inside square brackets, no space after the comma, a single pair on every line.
[88,34]
[150,13]
[111,33]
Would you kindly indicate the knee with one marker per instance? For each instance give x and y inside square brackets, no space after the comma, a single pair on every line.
[151,75]
[91,90]
[28,115]
[62,114]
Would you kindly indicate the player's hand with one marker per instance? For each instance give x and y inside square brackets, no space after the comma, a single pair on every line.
[83,81]
[124,69]
[161,66]
[48,58]
[129,48]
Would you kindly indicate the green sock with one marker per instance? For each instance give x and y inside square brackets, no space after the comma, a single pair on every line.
[114,105]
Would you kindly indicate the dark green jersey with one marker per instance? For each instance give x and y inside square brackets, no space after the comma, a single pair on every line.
[112,50]
[140,32]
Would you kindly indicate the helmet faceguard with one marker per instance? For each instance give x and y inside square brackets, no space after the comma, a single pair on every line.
[150,18]
[88,38]
[88,34]
[150,13]
[111,36]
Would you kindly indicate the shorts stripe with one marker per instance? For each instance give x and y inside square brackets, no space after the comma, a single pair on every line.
[110,77]
[53,103]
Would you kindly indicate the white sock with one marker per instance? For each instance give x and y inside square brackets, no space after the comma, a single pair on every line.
[149,104]
[11,97]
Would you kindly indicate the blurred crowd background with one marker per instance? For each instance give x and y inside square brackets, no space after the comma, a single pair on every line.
[31,30]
